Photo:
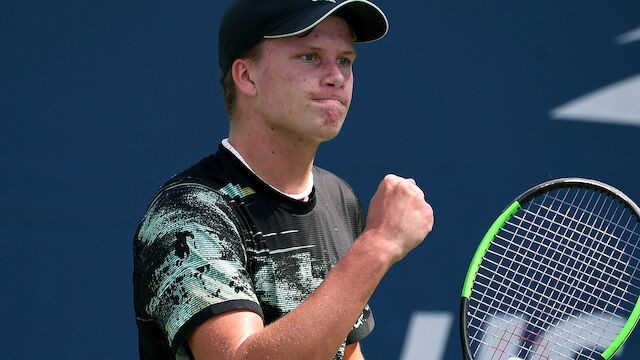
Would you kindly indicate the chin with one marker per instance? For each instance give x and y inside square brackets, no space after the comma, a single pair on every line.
[332,132]
[334,118]
[327,125]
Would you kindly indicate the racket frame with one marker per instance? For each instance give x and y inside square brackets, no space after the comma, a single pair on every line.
[506,214]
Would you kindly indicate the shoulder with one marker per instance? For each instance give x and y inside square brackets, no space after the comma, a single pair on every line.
[187,196]
[193,197]
[331,186]
[193,192]
[210,171]
[339,198]
[325,179]
[183,203]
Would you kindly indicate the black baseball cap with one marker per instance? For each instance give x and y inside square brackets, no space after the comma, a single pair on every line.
[246,22]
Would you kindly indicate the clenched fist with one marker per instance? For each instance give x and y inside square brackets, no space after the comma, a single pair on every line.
[399,218]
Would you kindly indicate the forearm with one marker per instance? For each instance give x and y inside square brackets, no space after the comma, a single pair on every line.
[317,328]
[353,352]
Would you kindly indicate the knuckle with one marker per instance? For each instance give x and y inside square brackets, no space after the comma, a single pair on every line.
[390,177]
[429,209]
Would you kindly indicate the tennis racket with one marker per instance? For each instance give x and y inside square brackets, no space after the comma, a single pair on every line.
[555,277]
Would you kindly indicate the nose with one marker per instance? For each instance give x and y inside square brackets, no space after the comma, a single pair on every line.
[335,75]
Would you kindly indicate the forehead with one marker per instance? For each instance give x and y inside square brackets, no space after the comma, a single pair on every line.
[332,32]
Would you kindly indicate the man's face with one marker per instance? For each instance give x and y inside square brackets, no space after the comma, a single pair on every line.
[304,84]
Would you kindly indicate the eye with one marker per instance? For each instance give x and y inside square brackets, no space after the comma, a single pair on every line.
[344,61]
[308,57]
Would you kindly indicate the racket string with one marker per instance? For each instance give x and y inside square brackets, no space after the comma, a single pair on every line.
[542,273]
[519,265]
[531,314]
[578,275]
[574,206]
[544,255]
[587,226]
[501,260]
[520,333]
[552,316]
[510,264]
[568,239]
[591,226]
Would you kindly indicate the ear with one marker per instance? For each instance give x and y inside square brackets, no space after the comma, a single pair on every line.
[240,70]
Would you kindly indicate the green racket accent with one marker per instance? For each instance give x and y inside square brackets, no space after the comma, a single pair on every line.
[624,333]
[484,245]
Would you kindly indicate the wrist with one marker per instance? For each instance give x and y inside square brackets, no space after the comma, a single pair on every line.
[377,248]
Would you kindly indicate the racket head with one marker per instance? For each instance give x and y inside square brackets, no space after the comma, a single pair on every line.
[555,277]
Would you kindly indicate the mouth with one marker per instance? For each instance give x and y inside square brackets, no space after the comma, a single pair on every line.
[329,100]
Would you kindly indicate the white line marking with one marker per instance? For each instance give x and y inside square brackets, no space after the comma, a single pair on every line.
[618,103]
[628,37]
[427,336]
[279,251]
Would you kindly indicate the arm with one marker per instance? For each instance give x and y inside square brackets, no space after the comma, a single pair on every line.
[399,219]
[353,352]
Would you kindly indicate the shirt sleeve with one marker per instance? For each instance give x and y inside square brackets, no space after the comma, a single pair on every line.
[192,260]
[363,327]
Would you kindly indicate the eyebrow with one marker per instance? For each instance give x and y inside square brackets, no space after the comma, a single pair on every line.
[317,49]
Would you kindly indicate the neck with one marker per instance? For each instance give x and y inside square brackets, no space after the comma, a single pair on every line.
[283,163]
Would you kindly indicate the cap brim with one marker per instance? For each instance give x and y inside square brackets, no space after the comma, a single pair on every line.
[367,20]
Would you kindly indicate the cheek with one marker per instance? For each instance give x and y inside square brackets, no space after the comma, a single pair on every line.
[349,92]
[285,93]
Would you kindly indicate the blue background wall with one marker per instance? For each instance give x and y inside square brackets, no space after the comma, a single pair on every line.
[100,102]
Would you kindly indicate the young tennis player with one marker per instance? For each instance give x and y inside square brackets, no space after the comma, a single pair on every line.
[254,252]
